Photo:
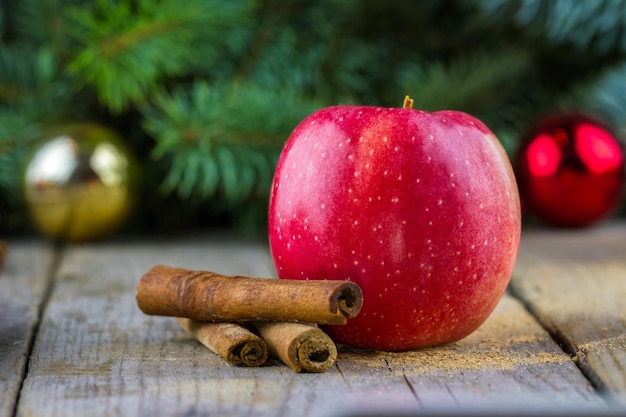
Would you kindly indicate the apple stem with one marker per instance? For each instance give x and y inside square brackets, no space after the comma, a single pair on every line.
[408,103]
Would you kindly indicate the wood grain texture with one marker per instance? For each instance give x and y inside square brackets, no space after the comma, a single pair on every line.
[97,354]
[23,285]
[575,283]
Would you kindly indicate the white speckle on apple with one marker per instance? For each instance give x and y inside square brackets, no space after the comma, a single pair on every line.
[356,263]
[395,200]
[400,177]
[396,149]
[385,172]
[351,157]
[418,180]
[385,139]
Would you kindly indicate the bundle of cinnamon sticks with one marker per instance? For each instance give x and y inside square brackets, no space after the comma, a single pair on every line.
[245,319]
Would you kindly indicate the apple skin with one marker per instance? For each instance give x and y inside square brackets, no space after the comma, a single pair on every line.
[420,209]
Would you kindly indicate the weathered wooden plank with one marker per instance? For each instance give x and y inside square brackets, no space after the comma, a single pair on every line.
[510,360]
[97,353]
[575,283]
[23,284]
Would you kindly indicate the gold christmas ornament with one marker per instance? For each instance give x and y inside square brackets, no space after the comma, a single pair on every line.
[79,183]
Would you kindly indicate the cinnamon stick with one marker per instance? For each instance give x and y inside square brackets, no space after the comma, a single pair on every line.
[236,344]
[301,346]
[3,250]
[208,296]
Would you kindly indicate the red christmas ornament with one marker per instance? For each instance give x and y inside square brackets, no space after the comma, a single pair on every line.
[570,170]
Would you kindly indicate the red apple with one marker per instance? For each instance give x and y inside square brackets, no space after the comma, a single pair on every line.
[420,209]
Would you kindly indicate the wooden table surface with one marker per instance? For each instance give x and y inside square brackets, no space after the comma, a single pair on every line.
[74,343]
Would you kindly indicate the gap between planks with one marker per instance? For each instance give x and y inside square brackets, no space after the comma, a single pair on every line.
[50,282]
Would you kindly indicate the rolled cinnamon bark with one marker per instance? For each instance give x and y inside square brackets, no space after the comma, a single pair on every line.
[208,296]
[3,250]
[301,346]
[236,344]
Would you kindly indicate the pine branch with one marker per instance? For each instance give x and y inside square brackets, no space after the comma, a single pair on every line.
[605,98]
[222,140]
[471,83]
[19,128]
[24,72]
[125,48]
[589,26]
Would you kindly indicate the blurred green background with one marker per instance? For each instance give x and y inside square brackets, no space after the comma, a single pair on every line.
[205,92]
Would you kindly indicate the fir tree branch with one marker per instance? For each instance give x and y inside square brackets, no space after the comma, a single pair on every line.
[598,26]
[222,140]
[126,47]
